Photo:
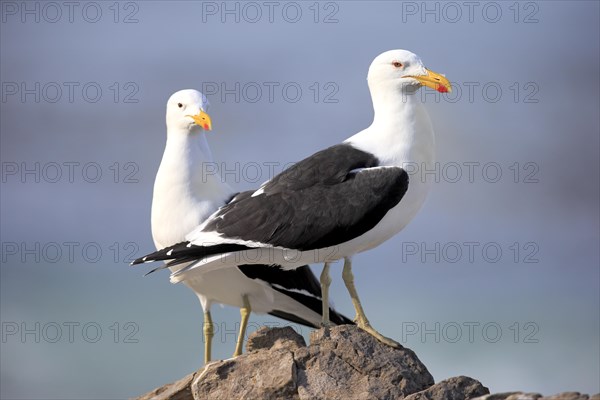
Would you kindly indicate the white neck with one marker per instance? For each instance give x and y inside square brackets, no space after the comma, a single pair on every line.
[401,131]
[185,191]
[192,145]
[184,160]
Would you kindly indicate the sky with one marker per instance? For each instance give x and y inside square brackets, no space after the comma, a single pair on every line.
[496,278]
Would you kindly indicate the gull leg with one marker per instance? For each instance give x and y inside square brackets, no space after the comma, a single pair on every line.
[245,313]
[361,319]
[209,332]
[325,282]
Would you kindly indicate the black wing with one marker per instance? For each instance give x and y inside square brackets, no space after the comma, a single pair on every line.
[319,202]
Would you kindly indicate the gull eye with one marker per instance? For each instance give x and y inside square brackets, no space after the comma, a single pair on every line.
[397,64]
[179,105]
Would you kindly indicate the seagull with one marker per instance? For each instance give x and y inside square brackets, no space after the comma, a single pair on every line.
[184,196]
[346,199]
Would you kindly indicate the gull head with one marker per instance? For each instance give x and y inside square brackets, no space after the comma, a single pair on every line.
[404,71]
[186,111]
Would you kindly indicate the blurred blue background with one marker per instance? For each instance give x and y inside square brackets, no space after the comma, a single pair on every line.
[496,278]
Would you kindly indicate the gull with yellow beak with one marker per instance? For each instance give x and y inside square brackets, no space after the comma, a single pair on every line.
[185,195]
[340,201]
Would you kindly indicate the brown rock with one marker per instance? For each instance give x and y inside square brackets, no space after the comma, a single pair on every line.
[341,363]
[510,396]
[567,396]
[457,388]
[256,375]
[274,338]
[524,396]
[179,390]
[345,362]
[537,396]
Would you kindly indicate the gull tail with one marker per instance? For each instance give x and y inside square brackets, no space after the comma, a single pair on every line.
[185,251]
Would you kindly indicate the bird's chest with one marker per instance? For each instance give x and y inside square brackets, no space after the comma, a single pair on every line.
[173,218]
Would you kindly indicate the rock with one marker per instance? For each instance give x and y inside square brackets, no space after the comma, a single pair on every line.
[346,362]
[275,338]
[510,396]
[524,396]
[257,375]
[567,396]
[179,390]
[341,363]
[457,388]
[538,396]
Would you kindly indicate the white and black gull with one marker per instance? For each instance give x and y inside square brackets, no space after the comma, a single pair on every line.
[340,201]
[184,196]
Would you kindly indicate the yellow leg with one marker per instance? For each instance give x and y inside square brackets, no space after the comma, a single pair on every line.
[325,282]
[245,313]
[209,332]
[361,319]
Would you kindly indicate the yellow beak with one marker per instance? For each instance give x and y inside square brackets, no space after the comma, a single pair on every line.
[202,119]
[434,80]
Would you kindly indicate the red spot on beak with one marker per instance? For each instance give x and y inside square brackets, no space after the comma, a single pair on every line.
[442,89]
[205,127]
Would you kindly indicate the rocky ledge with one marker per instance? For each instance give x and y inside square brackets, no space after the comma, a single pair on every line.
[342,362]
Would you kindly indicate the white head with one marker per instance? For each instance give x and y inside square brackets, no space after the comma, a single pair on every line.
[404,71]
[186,112]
